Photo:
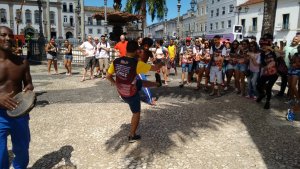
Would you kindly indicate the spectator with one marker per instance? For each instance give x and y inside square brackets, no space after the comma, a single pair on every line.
[120,47]
[88,50]
[68,57]
[103,47]
[51,50]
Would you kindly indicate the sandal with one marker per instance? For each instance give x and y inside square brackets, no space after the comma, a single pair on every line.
[197,88]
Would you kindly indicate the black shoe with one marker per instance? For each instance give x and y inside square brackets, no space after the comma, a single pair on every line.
[181,86]
[132,139]
[267,105]
[280,94]
[158,79]
[260,98]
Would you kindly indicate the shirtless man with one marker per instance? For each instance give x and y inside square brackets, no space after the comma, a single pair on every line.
[14,78]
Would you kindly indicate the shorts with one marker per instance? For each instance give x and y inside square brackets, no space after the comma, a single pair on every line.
[103,64]
[134,101]
[89,62]
[69,57]
[171,64]
[230,66]
[294,72]
[215,75]
[200,65]
[96,62]
[241,67]
[187,67]
[51,57]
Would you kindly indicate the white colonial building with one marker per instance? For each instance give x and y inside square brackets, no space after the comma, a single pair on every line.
[63,18]
[287,22]
[221,17]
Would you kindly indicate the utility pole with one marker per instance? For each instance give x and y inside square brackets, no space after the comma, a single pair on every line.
[82,20]
[178,10]
[48,20]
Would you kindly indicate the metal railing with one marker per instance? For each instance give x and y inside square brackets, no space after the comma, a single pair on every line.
[37,56]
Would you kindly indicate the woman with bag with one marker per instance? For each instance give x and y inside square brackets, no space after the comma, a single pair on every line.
[51,50]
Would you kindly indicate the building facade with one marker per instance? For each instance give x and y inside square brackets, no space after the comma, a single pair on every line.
[201,19]
[63,20]
[285,26]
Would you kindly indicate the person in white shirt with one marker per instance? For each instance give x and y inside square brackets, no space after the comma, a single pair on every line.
[96,65]
[103,47]
[88,50]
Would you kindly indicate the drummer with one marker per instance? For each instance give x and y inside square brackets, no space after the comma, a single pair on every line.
[14,74]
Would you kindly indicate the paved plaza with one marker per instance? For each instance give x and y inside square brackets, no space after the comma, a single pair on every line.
[84,125]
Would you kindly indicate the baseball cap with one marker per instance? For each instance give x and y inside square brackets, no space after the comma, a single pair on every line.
[188,39]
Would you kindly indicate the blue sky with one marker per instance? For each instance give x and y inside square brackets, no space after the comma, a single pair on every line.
[171,4]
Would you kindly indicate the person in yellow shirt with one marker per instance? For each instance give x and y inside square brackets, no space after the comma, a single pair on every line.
[172,55]
[126,70]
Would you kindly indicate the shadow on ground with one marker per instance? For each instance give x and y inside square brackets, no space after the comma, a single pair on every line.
[276,140]
[52,159]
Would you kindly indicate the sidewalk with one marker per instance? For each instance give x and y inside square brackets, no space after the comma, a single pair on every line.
[84,124]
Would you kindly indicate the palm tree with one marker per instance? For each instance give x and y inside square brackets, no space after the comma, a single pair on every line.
[155,9]
[270,7]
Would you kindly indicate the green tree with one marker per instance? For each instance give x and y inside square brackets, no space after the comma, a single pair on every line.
[155,9]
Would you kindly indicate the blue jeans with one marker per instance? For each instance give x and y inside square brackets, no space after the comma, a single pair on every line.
[146,90]
[20,137]
[187,67]
[252,79]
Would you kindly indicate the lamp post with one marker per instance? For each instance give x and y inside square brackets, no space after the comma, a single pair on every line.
[166,14]
[18,19]
[239,10]
[40,16]
[77,11]
[193,4]
[178,8]
[45,26]
[41,39]
[105,17]
[82,20]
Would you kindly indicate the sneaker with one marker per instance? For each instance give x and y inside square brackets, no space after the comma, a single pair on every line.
[291,102]
[158,79]
[254,97]
[225,88]
[290,115]
[248,97]
[121,98]
[267,105]
[280,94]
[132,139]
[260,98]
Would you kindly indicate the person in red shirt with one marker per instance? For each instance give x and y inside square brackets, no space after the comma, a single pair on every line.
[121,46]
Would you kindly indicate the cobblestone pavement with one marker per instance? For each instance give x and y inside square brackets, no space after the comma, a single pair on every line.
[84,125]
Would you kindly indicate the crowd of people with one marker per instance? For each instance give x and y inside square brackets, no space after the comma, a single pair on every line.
[254,65]
[217,61]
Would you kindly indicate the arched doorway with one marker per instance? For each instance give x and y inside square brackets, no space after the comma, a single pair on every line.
[69,35]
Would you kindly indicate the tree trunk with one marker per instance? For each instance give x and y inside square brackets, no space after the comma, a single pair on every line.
[270,7]
[144,14]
